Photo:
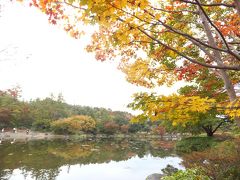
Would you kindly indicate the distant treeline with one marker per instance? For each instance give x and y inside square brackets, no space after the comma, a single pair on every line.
[39,114]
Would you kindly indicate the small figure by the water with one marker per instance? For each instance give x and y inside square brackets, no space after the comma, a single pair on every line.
[3,130]
[27,131]
[13,141]
[15,130]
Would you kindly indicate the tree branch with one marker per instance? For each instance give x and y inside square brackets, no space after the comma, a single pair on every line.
[69,4]
[217,127]
[214,4]
[189,37]
[168,11]
[219,32]
[237,68]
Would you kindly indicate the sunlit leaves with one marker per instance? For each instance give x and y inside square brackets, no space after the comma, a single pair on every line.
[233,108]
[175,108]
[180,109]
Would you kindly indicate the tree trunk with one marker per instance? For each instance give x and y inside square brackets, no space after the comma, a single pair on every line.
[209,133]
[208,130]
[218,59]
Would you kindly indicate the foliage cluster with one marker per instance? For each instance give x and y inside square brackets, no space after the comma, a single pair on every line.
[73,125]
[190,144]
[110,127]
[219,162]
[42,125]
[159,130]
[189,174]
[12,111]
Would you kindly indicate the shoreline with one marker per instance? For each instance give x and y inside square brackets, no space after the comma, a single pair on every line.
[21,135]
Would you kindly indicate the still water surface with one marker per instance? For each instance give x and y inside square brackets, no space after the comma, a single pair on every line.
[105,159]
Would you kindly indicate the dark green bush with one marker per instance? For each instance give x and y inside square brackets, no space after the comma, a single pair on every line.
[42,125]
[190,144]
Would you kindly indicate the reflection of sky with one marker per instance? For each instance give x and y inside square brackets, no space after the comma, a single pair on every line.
[132,169]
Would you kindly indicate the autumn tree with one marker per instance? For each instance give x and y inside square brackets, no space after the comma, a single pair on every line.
[124,128]
[159,130]
[49,108]
[13,113]
[111,127]
[73,124]
[159,42]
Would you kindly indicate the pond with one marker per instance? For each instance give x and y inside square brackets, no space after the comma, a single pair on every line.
[102,159]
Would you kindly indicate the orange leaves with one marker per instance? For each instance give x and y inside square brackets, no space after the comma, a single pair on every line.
[188,72]
[169,8]
[231,25]
[121,3]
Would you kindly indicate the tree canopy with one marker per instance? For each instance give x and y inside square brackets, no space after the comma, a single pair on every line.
[161,42]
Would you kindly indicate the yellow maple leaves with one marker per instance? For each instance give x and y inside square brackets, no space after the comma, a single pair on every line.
[145,73]
[232,109]
[180,109]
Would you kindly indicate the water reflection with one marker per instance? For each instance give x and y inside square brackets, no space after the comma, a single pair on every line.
[95,159]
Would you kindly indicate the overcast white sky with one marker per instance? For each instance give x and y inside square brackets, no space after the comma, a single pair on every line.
[43,59]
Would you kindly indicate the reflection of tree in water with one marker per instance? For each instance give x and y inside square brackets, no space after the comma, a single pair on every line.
[43,159]
[5,174]
[40,174]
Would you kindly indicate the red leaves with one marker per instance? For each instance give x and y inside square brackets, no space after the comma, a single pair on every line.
[188,72]
[14,92]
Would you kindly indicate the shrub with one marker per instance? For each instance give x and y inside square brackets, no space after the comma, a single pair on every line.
[42,125]
[99,126]
[159,130]
[73,125]
[190,144]
[189,174]
[219,162]
[124,129]
[111,127]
